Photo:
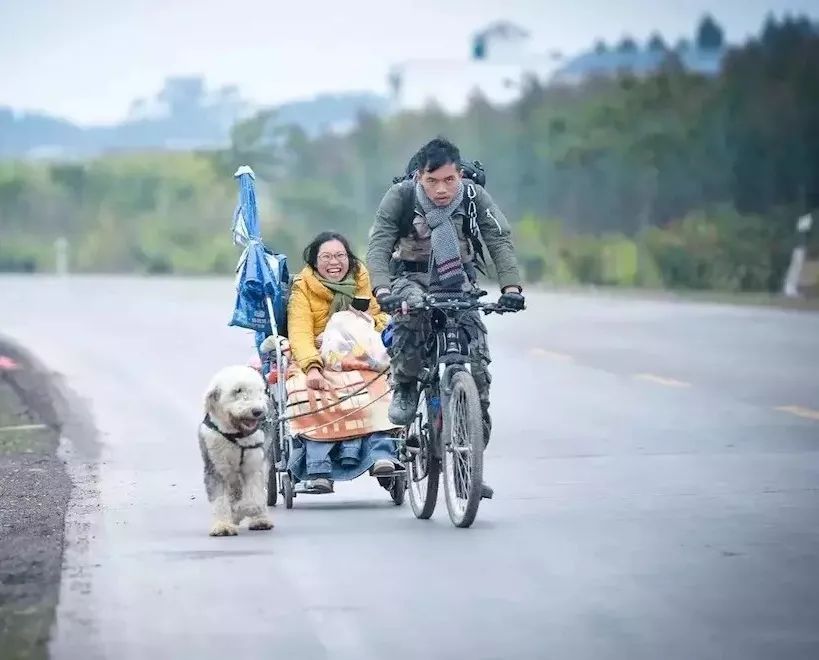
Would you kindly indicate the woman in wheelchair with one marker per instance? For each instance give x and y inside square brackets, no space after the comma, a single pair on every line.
[333,280]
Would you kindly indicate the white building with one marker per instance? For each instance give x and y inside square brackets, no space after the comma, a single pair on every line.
[501,60]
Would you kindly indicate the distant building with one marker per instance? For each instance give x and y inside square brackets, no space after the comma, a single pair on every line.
[704,56]
[600,63]
[500,60]
[499,41]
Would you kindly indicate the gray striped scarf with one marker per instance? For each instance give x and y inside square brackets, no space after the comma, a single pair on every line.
[446,250]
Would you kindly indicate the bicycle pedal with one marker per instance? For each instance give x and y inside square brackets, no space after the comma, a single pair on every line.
[397,472]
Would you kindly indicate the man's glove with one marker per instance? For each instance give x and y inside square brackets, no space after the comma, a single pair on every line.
[512,300]
[387,301]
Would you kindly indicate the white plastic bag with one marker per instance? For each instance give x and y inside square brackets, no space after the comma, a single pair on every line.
[350,342]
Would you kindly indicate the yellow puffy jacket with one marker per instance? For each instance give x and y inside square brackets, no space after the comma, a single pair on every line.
[309,310]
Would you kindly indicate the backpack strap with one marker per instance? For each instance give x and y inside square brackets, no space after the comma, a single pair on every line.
[471,228]
[407,208]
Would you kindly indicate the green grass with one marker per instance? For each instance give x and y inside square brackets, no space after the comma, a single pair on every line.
[24,633]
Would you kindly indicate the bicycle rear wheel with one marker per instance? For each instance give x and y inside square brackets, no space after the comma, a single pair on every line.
[423,466]
[463,447]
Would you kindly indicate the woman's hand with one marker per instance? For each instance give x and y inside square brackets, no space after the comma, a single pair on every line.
[319,339]
[316,380]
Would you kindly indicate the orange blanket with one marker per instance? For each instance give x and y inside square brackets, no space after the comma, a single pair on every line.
[316,418]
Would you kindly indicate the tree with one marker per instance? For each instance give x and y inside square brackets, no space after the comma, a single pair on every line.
[627,45]
[260,140]
[710,35]
[656,43]
[771,89]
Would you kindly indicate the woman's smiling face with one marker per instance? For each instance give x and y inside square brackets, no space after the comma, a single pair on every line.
[332,261]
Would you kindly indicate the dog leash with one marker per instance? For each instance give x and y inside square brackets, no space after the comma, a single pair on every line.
[352,412]
[341,400]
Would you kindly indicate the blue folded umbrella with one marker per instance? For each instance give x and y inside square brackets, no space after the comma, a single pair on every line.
[262,276]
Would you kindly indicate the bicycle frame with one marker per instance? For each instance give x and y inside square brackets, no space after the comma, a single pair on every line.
[447,351]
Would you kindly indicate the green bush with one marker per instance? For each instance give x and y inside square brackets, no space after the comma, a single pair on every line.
[618,261]
[171,213]
[538,243]
[721,250]
[26,255]
[648,272]
[584,259]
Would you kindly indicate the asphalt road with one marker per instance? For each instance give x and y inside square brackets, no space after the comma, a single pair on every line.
[656,468]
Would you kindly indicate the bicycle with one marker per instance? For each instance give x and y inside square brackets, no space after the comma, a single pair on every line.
[447,434]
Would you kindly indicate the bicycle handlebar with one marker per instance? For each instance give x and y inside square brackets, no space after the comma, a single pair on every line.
[459,302]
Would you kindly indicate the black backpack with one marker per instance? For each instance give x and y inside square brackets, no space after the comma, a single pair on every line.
[475,174]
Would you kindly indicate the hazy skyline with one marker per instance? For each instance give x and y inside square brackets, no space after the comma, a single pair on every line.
[87,60]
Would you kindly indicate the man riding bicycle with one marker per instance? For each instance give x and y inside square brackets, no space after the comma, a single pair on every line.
[425,238]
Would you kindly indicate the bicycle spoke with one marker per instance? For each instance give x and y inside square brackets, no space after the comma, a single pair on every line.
[423,476]
[463,458]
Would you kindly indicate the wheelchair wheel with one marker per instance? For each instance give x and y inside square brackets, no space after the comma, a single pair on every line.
[423,466]
[272,485]
[463,446]
[287,490]
[398,489]
[272,457]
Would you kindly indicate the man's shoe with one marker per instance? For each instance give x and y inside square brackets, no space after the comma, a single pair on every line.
[487,428]
[404,404]
[487,493]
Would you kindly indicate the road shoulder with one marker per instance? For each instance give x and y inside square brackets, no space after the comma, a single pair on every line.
[34,493]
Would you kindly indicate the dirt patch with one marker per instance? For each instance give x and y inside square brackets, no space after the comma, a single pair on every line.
[34,493]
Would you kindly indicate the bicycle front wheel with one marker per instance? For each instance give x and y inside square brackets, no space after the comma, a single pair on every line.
[463,450]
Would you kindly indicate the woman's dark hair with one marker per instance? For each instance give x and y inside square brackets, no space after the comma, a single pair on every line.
[311,251]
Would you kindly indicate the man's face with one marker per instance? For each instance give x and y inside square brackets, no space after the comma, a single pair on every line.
[441,184]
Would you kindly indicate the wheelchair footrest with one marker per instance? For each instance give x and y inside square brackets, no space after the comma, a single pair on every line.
[301,489]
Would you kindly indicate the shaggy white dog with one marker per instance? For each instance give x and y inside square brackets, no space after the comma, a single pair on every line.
[231,440]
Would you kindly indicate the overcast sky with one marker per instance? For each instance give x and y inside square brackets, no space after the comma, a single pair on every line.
[86,60]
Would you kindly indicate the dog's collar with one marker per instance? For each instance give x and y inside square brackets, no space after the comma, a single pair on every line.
[233,437]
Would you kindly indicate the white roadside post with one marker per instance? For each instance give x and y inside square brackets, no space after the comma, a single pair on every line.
[791,286]
[61,256]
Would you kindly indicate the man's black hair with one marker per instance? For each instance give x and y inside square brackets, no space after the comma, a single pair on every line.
[434,154]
